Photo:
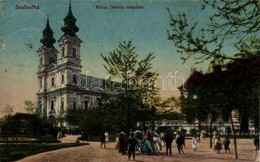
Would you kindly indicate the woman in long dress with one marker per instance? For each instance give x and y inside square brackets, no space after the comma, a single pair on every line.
[194,143]
[107,137]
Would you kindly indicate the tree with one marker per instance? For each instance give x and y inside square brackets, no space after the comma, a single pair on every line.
[29,106]
[236,21]
[171,104]
[231,21]
[137,80]
[8,110]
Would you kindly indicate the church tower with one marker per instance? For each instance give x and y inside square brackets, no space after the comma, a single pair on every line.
[70,61]
[47,57]
[47,52]
[60,71]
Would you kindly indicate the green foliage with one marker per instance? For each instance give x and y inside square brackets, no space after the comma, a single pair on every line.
[8,109]
[231,21]
[235,22]
[29,106]
[33,127]
[97,120]
[171,104]
[137,91]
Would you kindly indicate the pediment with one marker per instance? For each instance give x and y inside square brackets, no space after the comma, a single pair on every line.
[52,67]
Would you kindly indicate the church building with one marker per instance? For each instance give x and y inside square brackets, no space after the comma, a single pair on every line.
[61,84]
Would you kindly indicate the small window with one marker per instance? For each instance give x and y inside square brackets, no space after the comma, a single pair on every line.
[52,105]
[41,61]
[52,60]
[40,106]
[62,105]
[74,52]
[74,105]
[62,78]
[52,82]
[74,78]
[86,105]
[40,83]
[62,52]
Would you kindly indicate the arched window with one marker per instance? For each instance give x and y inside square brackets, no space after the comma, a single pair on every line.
[74,104]
[52,105]
[40,107]
[74,52]
[52,82]
[52,60]
[63,52]
[62,105]
[40,83]
[85,105]
[62,78]
[74,80]
[41,61]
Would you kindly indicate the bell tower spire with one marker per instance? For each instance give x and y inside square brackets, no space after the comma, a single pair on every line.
[47,38]
[47,52]
[69,27]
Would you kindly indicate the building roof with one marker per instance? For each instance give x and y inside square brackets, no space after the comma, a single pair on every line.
[194,80]
[239,69]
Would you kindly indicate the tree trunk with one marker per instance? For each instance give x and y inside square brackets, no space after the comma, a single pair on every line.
[144,126]
[128,117]
[181,124]
[210,133]
[199,126]
[234,135]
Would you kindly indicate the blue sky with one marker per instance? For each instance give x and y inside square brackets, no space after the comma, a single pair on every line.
[101,30]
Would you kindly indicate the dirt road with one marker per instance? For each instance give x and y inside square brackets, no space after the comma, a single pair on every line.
[93,153]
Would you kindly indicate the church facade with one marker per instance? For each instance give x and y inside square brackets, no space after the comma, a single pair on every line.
[59,73]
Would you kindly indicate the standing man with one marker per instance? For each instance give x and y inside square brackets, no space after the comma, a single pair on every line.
[103,140]
[122,144]
[168,142]
[131,146]
[226,143]
[179,142]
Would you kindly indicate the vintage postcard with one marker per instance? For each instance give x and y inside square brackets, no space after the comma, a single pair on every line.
[79,71]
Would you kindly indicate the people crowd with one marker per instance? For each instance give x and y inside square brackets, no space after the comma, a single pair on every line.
[151,142]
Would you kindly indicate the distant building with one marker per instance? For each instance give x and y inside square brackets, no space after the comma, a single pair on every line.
[61,84]
[241,72]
